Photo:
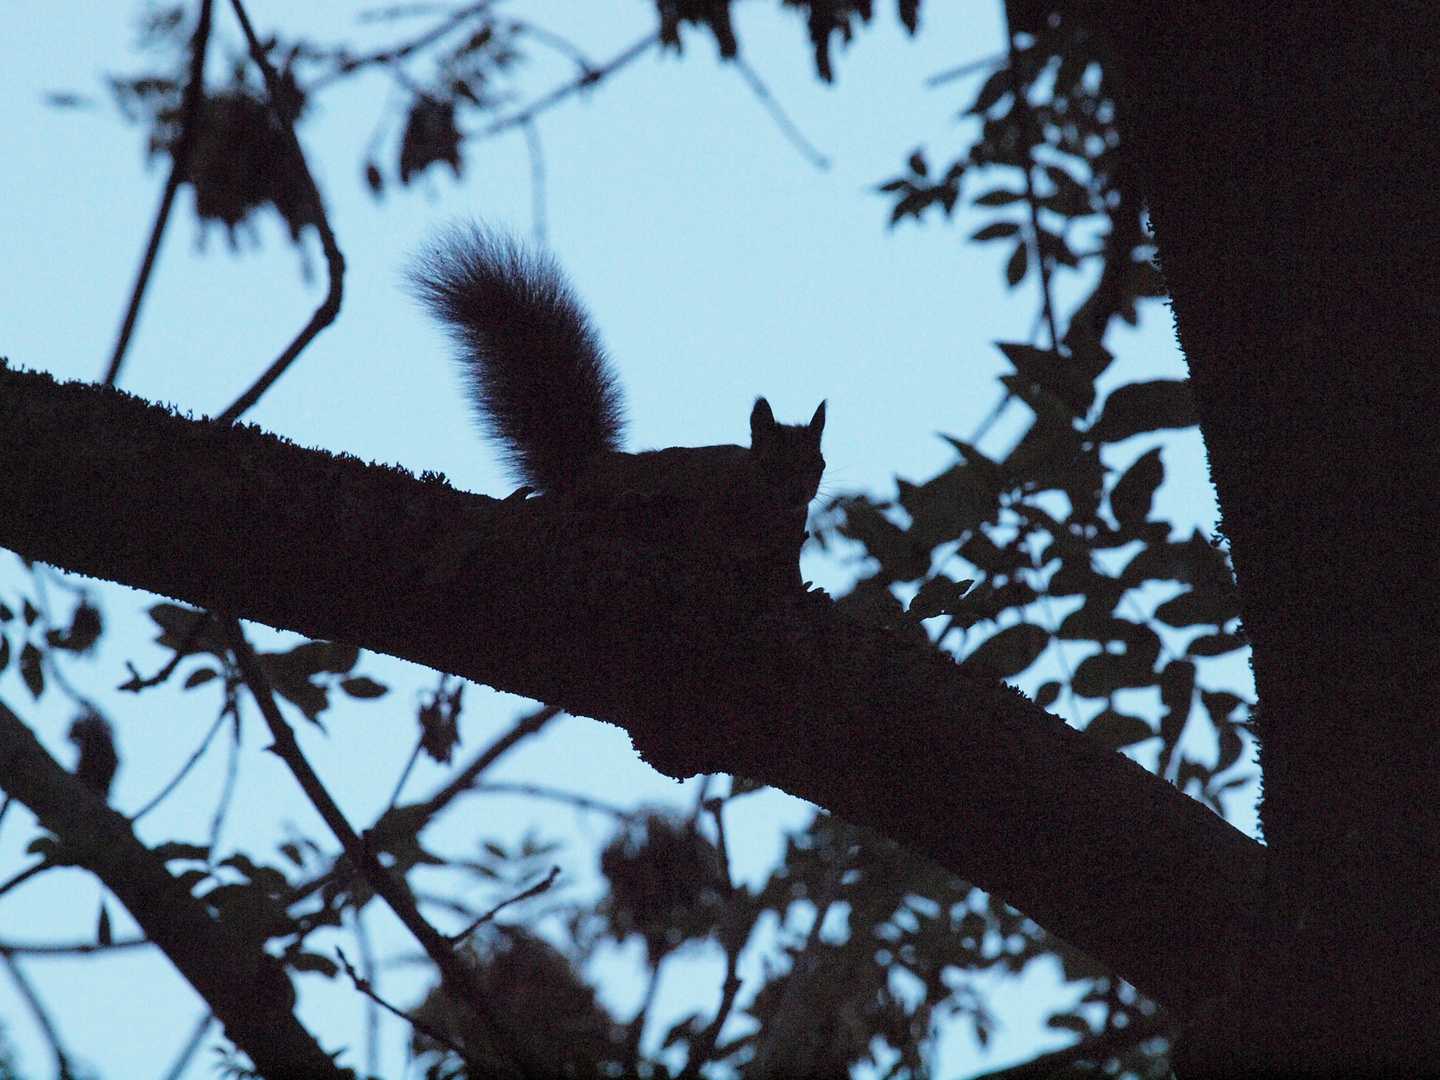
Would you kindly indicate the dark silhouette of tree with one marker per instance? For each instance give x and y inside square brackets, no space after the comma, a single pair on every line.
[1283,157]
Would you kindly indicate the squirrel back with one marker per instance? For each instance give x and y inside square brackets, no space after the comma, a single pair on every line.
[546,391]
[534,363]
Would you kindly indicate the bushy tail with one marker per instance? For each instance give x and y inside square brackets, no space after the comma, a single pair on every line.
[534,364]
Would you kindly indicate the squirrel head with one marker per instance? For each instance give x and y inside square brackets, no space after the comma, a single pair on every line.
[787,459]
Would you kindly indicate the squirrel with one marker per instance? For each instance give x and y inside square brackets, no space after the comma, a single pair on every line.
[545,391]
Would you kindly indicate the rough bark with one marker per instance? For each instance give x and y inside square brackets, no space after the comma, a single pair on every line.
[704,670]
[1289,154]
[246,989]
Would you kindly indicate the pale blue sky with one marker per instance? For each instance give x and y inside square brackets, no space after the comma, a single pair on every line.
[717,263]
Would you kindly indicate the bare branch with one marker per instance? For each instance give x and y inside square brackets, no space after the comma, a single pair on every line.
[247,989]
[334,261]
[179,161]
[457,977]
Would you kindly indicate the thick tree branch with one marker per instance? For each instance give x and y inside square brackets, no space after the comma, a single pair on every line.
[246,989]
[707,671]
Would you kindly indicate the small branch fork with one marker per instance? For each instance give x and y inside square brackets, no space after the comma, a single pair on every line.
[456,976]
[334,261]
[179,161]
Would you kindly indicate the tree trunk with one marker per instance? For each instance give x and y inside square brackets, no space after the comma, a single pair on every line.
[1290,155]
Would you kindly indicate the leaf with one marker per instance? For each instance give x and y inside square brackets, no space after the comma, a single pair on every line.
[361,687]
[1091,621]
[1018,264]
[1076,577]
[188,879]
[1046,695]
[51,849]
[309,961]
[83,632]
[1117,729]
[1192,562]
[1100,675]
[310,699]
[173,849]
[4,652]
[1231,747]
[102,929]
[1146,406]
[998,197]
[30,670]
[265,878]
[1133,494]
[996,231]
[942,510]
[1054,246]
[988,475]
[681,1029]
[1012,650]
[1070,1022]
[939,596]
[995,87]
[985,554]
[1197,606]
[1070,382]
[1215,645]
[315,657]
[199,676]
[178,623]
[1220,704]
[895,549]
[909,12]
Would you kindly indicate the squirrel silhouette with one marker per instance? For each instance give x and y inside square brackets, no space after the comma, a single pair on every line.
[546,393]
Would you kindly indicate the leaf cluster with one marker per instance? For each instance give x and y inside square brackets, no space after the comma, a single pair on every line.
[997,551]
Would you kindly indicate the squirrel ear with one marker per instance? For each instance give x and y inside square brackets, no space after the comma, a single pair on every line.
[817,422]
[762,421]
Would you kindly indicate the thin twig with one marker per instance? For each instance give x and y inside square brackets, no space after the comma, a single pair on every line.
[782,121]
[372,1014]
[25,875]
[62,1061]
[363,985]
[534,890]
[184,769]
[179,162]
[536,791]
[782,1021]
[80,948]
[963,70]
[457,977]
[227,793]
[1022,106]
[345,65]
[182,1061]
[991,417]
[466,777]
[187,648]
[405,773]
[560,44]
[334,261]
[559,94]
[635,1029]
[702,1047]
[537,179]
